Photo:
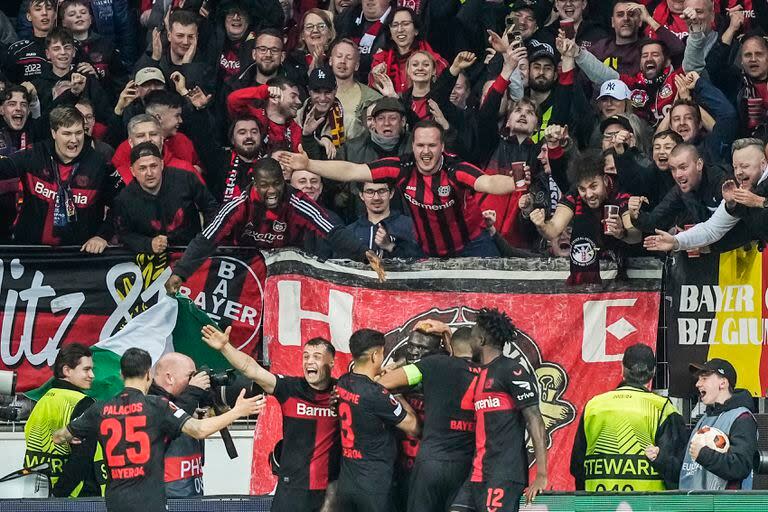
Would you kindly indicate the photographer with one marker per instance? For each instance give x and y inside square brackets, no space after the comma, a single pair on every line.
[75,472]
[309,460]
[177,380]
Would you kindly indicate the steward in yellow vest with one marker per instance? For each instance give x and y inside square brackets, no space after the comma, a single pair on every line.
[609,452]
[76,470]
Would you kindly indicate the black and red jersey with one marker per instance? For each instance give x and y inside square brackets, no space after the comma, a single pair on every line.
[134,430]
[174,212]
[276,136]
[443,206]
[25,60]
[91,181]
[449,412]
[311,445]
[367,412]
[503,389]
[409,445]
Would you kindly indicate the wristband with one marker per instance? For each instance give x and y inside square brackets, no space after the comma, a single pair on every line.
[413,373]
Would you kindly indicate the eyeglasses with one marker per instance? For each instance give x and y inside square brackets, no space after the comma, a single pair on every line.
[263,50]
[610,135]
[403,24]
[370,192]
[320,27]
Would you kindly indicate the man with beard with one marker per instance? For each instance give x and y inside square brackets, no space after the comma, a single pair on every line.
[653,88]
[438,189]
[67,187]
[622,50]
[353,95]
[131,100]
[365,25]
[25,59]
[278,115]
[445,452]
[162,206]
[584,206]
[268,214]
[696,195]
[743,200]
[322,116]
[268,55]
[387,232]
[309,460]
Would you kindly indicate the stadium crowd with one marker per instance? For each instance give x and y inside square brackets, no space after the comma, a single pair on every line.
[378,129]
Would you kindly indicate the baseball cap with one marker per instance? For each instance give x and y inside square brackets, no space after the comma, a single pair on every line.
[639,358]
[539,50]
[321,78]
[146,148]
[145,75]
[615,89]
[387,104]
[617,119]
[718,366]
[539,9]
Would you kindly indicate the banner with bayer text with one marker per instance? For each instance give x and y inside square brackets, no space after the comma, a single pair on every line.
[52,297]
[573,337]
[717,307]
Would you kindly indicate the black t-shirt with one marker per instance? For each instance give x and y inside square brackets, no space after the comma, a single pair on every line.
[449,410]
[134,430]
[311,445]
[367,411]
[503,390]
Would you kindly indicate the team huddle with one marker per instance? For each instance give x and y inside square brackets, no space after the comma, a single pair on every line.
[443,427]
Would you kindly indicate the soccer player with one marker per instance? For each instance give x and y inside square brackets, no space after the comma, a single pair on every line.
[309,462]
[367,412]
[134,429]
[506,403]
[445,452]
[438,189]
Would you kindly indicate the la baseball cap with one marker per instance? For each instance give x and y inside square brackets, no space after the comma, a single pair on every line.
[321,78]
[145,75]
[718,366]
[615,89]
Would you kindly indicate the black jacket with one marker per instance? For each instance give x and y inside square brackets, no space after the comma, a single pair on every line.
[736,464]
[755,219]
[174,211]
[638,176]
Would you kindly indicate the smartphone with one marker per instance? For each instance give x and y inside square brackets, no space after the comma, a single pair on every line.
[515,39]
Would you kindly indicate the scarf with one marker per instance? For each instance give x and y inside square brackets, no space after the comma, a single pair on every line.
[335,119]
[385,143]
[585,245]
[238,170]
[64,211]
[366,42]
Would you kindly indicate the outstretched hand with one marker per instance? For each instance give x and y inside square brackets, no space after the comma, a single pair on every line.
[291,162]
[214,337]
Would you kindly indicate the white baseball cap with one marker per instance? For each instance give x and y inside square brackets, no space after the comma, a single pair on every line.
[615,89]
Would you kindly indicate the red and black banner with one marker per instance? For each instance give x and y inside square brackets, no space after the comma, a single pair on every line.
[54,296]
[573,337]
[717,307]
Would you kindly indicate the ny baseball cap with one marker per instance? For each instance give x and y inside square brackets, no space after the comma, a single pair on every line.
[387,104]
[615,89]
[718,366]
[145,75]
[321,78]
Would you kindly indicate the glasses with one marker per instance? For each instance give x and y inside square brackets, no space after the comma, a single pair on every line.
[263,50]
[370,192]
[610,135]
[320,27]
[402,24]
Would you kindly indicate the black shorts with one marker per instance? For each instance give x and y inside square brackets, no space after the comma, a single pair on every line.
[360,502]
[435,483]
[497,496]
[290,499]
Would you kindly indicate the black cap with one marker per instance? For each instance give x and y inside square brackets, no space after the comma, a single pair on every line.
[539,9]
[145,148]
[321,78]
[623,121]
[718,366]
[540,50]
[387,104]
[639,358]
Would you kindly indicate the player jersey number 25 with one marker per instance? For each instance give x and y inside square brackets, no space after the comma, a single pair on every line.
[126,443]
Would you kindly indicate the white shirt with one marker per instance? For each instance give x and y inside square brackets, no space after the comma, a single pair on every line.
[715,228]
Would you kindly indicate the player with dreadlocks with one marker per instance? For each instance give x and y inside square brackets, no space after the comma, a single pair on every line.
[505,394]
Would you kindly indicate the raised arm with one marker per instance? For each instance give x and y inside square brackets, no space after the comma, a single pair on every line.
[332,169]
[551,229]
[200,429]
[241,361]
[497,184]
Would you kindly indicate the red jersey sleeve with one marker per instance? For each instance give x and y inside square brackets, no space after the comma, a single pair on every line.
[467,174]
[386,168]
[240,102]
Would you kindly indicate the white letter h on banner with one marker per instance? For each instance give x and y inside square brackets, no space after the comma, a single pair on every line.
[290,315]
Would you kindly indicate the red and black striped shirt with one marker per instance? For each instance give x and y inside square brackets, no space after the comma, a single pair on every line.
[444,209]
[311,451]
[504,388]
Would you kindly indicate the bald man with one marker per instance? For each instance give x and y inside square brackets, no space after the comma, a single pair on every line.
[177,379]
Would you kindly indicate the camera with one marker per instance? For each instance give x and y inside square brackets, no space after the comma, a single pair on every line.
[226,386]
[225,378]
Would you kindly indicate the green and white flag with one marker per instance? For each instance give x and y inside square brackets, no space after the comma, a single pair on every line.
[171,325]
